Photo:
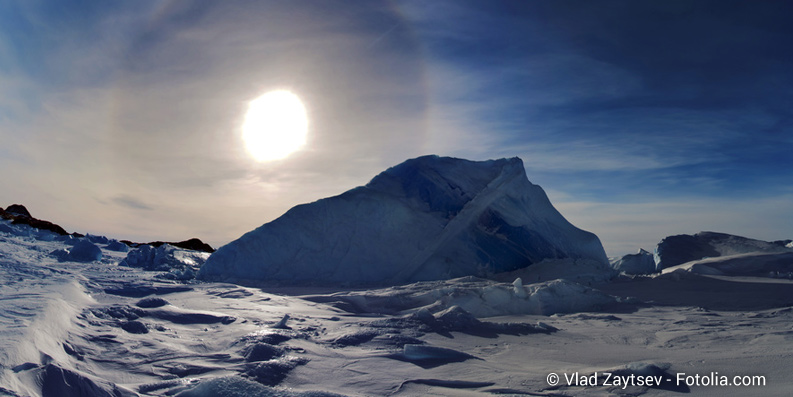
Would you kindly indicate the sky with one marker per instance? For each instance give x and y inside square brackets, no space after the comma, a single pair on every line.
[639,119]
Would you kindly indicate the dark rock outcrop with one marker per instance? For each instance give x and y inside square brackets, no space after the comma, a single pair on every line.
[19,215]
[40,224]
[191,244]
[18,209]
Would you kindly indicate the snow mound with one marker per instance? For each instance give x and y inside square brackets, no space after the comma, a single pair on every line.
[180,264]
[115,245]
[261,352]
[638,263]
[560,296]
[433,353]
[675,250]
[151,302]
[83,251]
[58,381]
[479,297]
[428,218]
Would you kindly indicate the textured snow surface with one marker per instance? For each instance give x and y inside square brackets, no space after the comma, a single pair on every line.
[479,297]
[40,295]
[94,328]
[233,386]
[428,218]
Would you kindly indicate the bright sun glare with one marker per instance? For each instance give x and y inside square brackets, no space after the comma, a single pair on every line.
[275,126]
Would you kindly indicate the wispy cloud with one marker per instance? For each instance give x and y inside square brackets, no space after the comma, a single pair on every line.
[131,202]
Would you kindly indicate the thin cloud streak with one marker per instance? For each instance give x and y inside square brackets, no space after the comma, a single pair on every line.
[131,202]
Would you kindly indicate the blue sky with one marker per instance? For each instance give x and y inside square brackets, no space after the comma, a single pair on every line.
[640,119]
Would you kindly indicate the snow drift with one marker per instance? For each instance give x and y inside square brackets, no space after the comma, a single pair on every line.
[428,218]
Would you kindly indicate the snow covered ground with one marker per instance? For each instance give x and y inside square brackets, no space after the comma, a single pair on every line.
[94,328]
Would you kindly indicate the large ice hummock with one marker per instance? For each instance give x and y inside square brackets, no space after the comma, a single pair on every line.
[428,218]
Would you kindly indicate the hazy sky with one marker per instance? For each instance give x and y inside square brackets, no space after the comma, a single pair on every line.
[640,119]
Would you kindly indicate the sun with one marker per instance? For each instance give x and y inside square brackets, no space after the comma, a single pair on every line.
[275,126]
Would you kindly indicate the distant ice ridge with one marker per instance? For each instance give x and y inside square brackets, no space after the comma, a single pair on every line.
[700,249]
[428,218]
[679,249]
[181,264]
[641,262]
[753,264]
